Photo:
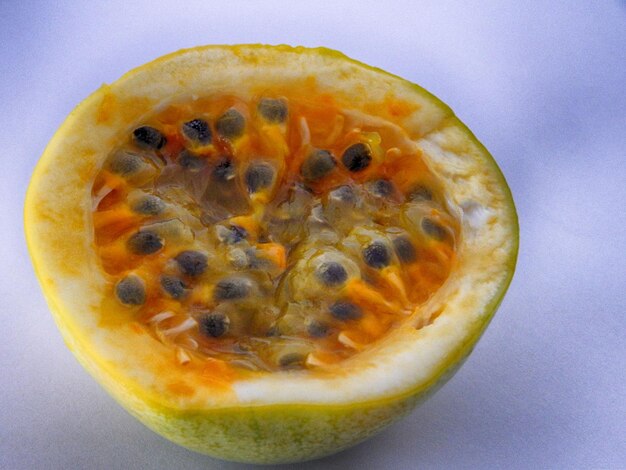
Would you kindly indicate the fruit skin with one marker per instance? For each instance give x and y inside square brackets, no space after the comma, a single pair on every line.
[250,431]
[272,434]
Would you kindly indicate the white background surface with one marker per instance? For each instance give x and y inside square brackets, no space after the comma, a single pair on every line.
[542,84]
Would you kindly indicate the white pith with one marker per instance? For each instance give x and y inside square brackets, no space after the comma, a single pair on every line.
[60,212]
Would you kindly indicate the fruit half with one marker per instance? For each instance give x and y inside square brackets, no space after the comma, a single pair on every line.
[268,254]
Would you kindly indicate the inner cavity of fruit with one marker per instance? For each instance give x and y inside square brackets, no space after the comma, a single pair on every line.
[269,233]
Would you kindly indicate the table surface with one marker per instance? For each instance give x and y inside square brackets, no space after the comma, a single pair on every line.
[542,84]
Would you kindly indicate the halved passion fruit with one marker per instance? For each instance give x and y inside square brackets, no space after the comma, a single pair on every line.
[267,254]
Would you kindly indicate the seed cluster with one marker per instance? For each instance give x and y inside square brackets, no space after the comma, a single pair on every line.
[241,231]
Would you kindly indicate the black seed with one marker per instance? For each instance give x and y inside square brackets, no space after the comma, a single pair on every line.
[214,324]
[357,157]
[258,176]
[343,193]
[404,249]
[317,165]
[192,263]
[234,235]
[224,170]
[433,229]
[189,161]
[131,290]
[317,329]
[125,163]
[149,205]
[381,187]
[198,130]
[273,110]
[231,124]
[145,242]
[332,273]
[377,255]
[149,138]
[343,311]
[420,193]
[254,262]
[231,289]
[174,286]
[291,360]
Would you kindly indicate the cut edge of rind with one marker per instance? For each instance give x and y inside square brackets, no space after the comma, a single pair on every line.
[101,368]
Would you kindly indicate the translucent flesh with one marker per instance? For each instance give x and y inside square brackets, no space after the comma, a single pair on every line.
[276,234]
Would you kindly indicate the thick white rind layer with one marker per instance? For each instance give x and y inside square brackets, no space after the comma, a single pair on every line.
[59,232]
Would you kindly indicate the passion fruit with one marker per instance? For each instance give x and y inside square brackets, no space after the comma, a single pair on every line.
[268,254]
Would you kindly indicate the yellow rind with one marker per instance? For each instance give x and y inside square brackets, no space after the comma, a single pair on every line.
[244,426]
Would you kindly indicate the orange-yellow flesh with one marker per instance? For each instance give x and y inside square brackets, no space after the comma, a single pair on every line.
[285,320]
